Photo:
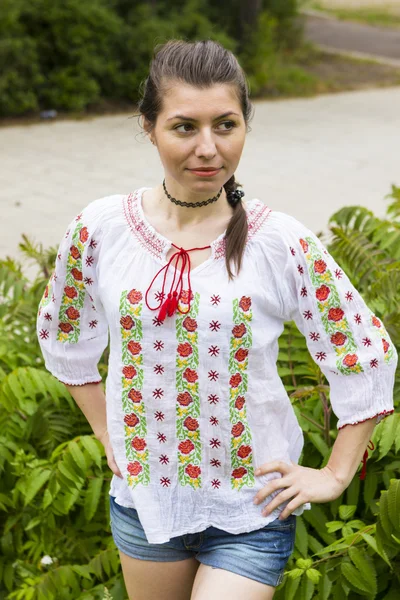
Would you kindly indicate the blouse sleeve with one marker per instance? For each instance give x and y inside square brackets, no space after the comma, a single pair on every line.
[71,324]
[348,342]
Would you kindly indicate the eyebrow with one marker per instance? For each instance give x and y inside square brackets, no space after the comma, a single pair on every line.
[183,118]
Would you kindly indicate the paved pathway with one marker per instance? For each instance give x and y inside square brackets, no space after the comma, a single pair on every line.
[307,157]
[353,37]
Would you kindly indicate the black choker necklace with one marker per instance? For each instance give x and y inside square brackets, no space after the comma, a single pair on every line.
[192,204]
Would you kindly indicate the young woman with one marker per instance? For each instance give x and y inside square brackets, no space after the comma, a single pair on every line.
[194,285]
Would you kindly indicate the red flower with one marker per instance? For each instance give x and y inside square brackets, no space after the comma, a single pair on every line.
[239,330]
[139,444]
[376,322]
[237,429]
[190,375]
[186,447]
[338,338]
[72,313]
[245,303]
[322,292]
[134,468]
[76,274]
[75,252]
[127,322]
[191,424]
[385,345]
[84,235]
[184,297]
[239,473]
[240,401]
[189,324]
[184,399]
[244,451]
[131,420]
[319,266]
[66,327]
[134,297]
[129,372]
[335,314]
[350,360]
[185,349]
[241,354]
[135,395]
[235,380]
[70,291]
[134,348]
[304,245]
[193,471]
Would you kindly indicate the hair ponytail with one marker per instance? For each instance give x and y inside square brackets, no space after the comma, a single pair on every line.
[237,230]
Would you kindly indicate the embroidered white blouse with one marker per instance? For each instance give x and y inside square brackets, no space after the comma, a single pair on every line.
[195,403]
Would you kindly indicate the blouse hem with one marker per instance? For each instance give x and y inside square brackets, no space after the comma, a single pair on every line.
[383,414]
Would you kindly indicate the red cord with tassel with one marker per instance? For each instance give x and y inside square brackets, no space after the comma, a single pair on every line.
[365,458]
[169,306]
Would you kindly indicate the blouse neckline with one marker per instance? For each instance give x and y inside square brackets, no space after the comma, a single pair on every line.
[158,245]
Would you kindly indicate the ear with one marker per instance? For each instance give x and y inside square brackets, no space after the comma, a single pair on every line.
[148,127]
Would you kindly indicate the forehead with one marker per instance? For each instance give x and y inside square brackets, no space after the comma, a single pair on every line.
[199,103]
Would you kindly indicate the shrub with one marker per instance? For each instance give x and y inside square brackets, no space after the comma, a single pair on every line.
[54,479]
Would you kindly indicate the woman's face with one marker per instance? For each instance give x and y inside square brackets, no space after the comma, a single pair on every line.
[199,128]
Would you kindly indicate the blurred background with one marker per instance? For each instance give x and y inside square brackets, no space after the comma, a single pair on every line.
[323,147]
[70,73]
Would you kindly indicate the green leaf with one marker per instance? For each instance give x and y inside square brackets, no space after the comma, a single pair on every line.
[306,589]
[333,526]
[301,537]
[347,511]
[325,584]
[365,565]
[388,434]
[393,504]
[313,575]
[93,448]
[92,497]
[77,455]
[35,481]
[371,541]
[291,587]
[355,578]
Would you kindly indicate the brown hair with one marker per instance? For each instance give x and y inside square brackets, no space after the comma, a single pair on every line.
[201,64]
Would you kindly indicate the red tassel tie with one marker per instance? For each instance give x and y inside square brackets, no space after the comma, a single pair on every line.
[365,458]
[171,303]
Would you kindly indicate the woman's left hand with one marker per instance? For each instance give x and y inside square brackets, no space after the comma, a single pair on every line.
[301,484]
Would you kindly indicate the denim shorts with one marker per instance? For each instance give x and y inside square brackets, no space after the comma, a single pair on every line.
[260,555]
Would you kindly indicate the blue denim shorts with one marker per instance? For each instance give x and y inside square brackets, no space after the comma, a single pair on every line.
[260,555]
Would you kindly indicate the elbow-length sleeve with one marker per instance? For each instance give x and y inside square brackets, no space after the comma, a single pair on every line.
[348,342]
[71,324]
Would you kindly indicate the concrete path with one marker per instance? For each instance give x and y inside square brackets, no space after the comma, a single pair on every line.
[353,37]
[306,157]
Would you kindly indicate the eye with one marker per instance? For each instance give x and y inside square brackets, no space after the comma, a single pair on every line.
[231,125]
[188,125]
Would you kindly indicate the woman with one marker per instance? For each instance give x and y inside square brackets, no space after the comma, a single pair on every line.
[194,285]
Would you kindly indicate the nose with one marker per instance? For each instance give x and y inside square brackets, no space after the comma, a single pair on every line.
[205,146]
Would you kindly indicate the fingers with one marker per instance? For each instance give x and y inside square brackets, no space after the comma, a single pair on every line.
[276,465]
[114,467]
[295,503]
[279,499]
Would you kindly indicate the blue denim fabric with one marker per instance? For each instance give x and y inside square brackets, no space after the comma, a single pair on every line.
[260,555]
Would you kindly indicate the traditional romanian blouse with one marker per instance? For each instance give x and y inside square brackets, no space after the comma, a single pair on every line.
[194,402]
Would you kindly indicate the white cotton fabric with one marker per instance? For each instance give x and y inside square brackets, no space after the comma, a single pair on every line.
[123,252]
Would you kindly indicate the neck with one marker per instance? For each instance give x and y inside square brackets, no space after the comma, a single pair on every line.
[183,215]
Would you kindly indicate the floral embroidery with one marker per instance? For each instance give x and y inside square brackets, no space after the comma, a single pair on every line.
[47,294]
[188,401]
[74,289]
[132,383]
[240,445]
[332,315]
[378,327]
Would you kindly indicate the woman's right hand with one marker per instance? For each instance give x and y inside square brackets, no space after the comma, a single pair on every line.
[105,440]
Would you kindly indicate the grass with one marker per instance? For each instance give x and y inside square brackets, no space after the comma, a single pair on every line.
[309,71]
[371,16]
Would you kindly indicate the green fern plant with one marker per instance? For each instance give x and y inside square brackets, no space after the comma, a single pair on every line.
[55,539]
